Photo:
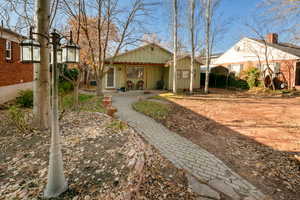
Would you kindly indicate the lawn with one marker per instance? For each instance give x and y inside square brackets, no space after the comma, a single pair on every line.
[87,102]
[256,135]
[153,109]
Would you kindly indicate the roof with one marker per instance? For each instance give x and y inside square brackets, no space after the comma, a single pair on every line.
[139,48]
[285,47]
[181,57]
[202,59]
[2,29]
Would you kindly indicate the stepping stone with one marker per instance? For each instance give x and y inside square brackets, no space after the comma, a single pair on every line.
[224,188]
[202,189]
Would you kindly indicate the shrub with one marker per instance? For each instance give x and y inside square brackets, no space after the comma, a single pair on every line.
[251,75]
[160,85]
[70,73]
[25,98]
[19,119]
[65,87]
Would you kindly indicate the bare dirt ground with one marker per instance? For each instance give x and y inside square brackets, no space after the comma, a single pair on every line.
[259,137]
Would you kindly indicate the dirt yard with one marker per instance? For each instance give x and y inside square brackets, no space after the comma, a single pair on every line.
[259,137]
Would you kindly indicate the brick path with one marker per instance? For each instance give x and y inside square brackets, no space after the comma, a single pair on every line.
[185,154]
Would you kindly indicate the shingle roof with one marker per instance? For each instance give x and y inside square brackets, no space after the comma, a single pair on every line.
[180,57]
[2,29]
[286,47]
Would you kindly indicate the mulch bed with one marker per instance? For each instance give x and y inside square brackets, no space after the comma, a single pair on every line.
[276,173]
[103,159]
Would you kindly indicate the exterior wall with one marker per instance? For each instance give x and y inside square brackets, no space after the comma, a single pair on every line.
[11,91]
[12,71]
[185,64]
[247,50]
[287,67]
[152,74]
[145,54]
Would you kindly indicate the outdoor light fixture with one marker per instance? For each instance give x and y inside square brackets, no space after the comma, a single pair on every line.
[30,50]
[58,55]
[70,52]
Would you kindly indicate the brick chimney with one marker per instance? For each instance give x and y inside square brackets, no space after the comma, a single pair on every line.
[272,38]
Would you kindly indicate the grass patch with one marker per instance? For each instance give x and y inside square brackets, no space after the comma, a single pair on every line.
[117,125]
[155,110]
[87,102]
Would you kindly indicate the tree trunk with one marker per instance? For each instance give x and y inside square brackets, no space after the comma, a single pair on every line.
[41,82]
[99,91]
[175,26]
[192,32]
[207,31]
[56,180]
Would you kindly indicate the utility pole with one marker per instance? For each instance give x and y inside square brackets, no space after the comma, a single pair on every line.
[41,89]
[207,30]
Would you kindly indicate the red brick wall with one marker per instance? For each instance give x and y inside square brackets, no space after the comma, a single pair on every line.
[287,67]
[13,71]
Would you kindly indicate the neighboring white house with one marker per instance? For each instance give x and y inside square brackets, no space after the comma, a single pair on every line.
[249,52]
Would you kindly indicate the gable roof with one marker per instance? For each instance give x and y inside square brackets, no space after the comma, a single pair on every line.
[181,57]
[144,47]
[285,47]
[6,30]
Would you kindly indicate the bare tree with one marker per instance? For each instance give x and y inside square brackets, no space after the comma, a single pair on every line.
[282,14]
[113,31]
[175,33]
[208,17]
[192,35]
[260,31]
[41,76]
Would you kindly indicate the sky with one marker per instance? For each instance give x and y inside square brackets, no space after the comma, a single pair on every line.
[237,12]
[234,12]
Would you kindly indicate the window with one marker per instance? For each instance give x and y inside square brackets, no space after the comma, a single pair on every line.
[178,74]
[275,67]
[8,49]
[135,72]
[184,74]
[237,68]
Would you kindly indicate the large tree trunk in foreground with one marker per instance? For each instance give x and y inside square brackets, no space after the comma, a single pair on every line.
[41,71]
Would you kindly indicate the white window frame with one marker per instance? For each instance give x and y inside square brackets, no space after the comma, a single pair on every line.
[8,48]
[114,86]
[185,74]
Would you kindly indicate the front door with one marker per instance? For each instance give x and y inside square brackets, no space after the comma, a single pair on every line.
[110,78]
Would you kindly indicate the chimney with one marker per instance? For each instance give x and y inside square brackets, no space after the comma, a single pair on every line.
[272,38]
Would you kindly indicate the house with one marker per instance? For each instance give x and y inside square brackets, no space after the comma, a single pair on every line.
[149,64]
[283,58]
[14,75]
[213,58]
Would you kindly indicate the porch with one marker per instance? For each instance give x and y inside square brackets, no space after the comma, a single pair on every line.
[137,77]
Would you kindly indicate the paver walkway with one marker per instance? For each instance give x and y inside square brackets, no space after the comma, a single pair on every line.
[185,154]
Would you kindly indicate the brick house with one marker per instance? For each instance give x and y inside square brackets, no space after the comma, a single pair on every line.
[14,75]
[283,58]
